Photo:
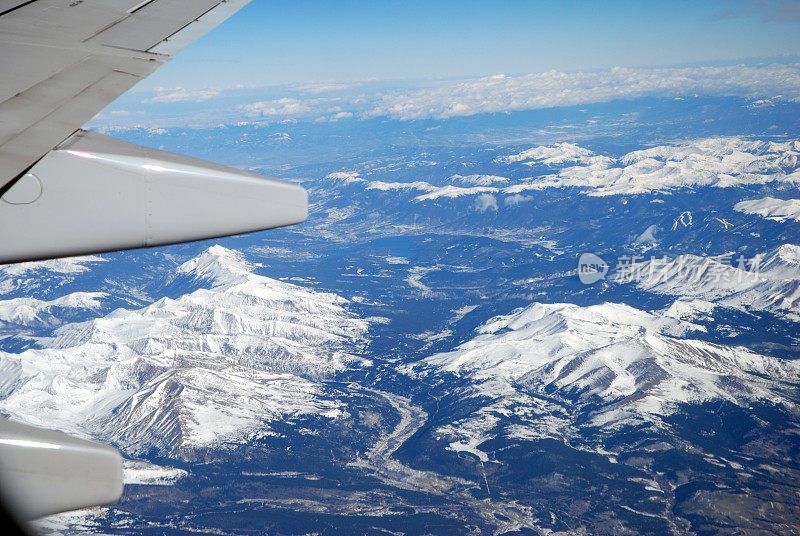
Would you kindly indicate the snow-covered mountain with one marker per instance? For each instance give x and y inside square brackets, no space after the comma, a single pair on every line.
[769,282]
[719,162]
[544,368]
[771,208]
[235,352]
[31,311]
[710,162]
[555,155]
[480,180]
[33,275]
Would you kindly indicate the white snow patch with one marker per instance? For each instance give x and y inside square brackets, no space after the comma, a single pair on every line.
[139,472]
[648,236]
[479,180]
[451,192]
[397,260]
[472,447]
[769,282]
[771,208]
[717,162]
[639,360]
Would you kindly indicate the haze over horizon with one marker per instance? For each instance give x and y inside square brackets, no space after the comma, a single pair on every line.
[278,43]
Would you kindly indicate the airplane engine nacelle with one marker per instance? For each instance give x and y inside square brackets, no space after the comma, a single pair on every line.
[94,193]
[43,472]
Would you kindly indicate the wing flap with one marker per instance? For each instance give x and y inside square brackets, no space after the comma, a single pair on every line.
[7,6]
[64,21]
[198,27]
[152,23]
[62,62]
[17,59]
[32,105]
[39,118]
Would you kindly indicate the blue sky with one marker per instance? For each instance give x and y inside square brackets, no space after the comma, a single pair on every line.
[273,42]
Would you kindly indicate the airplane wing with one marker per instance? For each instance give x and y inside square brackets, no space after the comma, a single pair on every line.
[62,62]
[66,191]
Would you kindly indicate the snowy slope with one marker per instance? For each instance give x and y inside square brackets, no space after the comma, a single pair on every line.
[718,162]
[30,311]
[611,350]
[451,192]
[212,366]
[544,368]
[33,274]
[771,208]
[480,180]
[772,283]
[553,155]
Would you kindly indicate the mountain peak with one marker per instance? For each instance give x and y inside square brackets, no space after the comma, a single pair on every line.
[557,154]
[631,358]
[185,373]
[218,264]
[787,255]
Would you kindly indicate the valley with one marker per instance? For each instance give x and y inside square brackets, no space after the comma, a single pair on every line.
[420,356]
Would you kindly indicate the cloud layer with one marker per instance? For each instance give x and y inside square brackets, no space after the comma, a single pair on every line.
[167,95]
[553,88]
[764,83]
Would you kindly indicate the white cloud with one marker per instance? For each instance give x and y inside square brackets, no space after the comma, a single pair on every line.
[514,200]
[276,108]
[182,94]
[341,115]
[324,102]
[554,88]
[324,87]
[485,202]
